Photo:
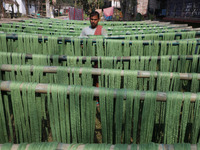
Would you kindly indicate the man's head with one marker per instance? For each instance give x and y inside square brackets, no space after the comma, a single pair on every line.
[94,19]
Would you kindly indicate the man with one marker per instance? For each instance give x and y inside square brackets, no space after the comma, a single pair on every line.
[94,28]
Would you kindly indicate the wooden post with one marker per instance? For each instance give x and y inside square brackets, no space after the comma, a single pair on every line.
[2,9]
[42,88]
[75,4]
[48,14]
[26,5]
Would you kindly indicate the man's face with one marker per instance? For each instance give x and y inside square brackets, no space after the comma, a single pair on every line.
[94,21]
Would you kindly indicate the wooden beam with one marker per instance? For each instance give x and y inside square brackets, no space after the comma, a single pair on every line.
[42,88]
[95,71]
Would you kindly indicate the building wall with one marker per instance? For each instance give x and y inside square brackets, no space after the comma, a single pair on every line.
[22,8]
[32,8]
[142,6]
[115,4]
[183,8]
[153,5]
[8,8]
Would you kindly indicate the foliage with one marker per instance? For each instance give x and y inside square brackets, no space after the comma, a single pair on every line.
[128,9]
[64,2]
[90,5]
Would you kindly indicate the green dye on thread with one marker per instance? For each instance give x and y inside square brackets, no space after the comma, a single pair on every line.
[182,146]
[196,123]
[148,117]
[128,116]
[119,115]
[136,107]
[103,114]
[149,146]
[3,130]
[184,117]
[6,146]
[195,83]
[173,108]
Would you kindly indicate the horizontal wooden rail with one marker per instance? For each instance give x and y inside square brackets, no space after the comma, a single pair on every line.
[69,39]
[123,58]
[42,88]
[97,58]
[94,71]
[63,146]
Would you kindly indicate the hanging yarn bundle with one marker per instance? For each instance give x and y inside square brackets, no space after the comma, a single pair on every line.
[81,126]
[115,78]
[160,105]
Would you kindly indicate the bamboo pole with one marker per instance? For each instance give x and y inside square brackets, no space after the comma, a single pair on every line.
[189,28]
[196,29]
[94,71]
[74,29]
[123,58]
[42,88]
[63,146]
[169,26]
[157,23]
[115,25]
[186,28]
[97,58]
[178,25]
[69,39]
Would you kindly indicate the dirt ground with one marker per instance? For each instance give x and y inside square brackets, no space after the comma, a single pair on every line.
[9,20]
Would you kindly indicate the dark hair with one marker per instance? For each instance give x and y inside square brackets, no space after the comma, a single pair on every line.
[94,13]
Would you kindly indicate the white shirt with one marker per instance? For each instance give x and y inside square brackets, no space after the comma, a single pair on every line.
[90,31]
